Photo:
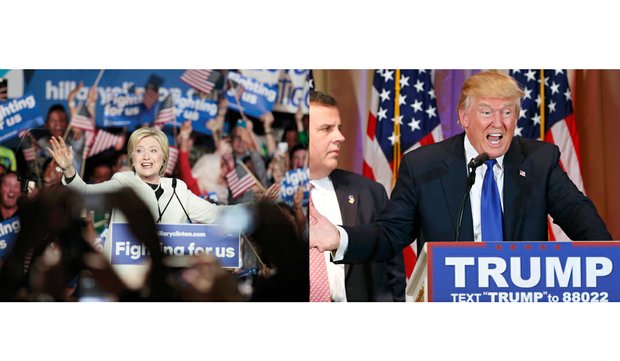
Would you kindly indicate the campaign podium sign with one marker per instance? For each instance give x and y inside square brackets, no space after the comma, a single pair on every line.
[178,240]
[517,272]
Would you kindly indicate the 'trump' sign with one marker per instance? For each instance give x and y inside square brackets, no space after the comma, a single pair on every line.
[524,272]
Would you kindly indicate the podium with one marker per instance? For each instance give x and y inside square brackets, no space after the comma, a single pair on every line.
[516,272]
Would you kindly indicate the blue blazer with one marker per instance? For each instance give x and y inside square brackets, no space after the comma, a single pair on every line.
[360,201]
[431,183]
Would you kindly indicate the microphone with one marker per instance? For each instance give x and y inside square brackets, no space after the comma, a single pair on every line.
[174,191]
[471,179]
[478,161]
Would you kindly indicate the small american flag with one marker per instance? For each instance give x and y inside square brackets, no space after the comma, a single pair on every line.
[239,181]
[203,80]
[151,91]
[82,120]
[103,141]
[173,155]
[166,113]
[30,154]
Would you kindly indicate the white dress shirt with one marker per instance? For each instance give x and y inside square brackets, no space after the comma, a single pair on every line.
[475,194]
[325,200]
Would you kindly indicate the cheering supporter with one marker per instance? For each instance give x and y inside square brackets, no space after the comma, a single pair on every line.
[245,150]
[56,124]
[9,193]
[298,157]
[208,159]
[208,176]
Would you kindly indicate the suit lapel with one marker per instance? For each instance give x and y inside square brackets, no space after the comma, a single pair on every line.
[454,185]
[348,200]
[515,183]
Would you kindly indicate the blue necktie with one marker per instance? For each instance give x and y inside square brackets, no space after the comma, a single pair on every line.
[491,207]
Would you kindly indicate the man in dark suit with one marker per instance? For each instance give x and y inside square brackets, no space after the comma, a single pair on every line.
[425,201]
[349,199]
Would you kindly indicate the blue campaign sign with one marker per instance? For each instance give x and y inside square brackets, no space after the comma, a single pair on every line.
[524,272]
[177,240]
[8,234]
[53,86]
[19,114]
[126,110]
[292,84]
[292,180]
[256,98]
[199,111]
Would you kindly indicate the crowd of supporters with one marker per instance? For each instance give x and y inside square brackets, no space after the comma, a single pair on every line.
[57,255]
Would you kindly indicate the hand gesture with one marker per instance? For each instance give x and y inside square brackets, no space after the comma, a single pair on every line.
[186,129]
[267,120]
[93,95]
[323,235]
[272,193]
[62,155]
[298,197]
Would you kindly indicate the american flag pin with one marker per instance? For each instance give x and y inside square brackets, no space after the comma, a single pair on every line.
[522,173]
[351,199]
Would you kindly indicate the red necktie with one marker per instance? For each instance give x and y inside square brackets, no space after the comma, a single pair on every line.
[319,284]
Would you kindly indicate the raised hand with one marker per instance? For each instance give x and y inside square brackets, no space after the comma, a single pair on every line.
[62,155]
[271,194]
[298,197]
[186,129]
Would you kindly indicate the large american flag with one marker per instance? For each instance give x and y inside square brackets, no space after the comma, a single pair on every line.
[239,181]
[559,122]
[418,123]
[82,119]
[166,112]
[203,80]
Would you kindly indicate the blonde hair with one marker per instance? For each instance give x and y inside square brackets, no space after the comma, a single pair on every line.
[142,133]
[490,84]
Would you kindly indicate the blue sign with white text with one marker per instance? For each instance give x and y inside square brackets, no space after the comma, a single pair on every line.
[199,111]
[292,180]
[254,97]
[178,240]
[523,271]
[8,234]
[53,86]
[17,115]
[126,110]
